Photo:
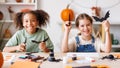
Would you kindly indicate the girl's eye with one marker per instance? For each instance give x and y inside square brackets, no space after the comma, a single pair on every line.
[33,20]
[82,25]
[88,24]
[26,21]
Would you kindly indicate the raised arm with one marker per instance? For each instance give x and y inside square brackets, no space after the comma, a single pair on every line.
[108,43]
[67,28]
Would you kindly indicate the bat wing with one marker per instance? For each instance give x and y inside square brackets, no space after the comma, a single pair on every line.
[103,18]
[106,15]
[96,18]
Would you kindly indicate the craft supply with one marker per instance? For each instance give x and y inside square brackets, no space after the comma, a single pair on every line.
[74,57]
[40,41]
[103,18]
[25,64]
[111,57]
[69,21]
[51,57]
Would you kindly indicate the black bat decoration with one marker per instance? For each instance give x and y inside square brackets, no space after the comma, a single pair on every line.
[103,18]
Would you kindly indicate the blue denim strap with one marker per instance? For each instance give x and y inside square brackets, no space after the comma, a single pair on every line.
[77,40]
[93,39]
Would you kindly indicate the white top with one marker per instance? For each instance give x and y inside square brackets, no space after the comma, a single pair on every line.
[99,46]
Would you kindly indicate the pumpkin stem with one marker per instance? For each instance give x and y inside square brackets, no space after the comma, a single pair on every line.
[68,6]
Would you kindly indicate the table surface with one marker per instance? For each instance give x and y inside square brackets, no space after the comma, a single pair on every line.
[48,64]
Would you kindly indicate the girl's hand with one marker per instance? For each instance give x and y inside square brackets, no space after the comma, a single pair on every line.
[67,26]
[21,47]
[43,47]
[106,25]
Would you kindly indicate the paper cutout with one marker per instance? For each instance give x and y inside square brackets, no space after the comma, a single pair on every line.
[25,64]
[103,18]
[117,56]
[99,66]
[84,54]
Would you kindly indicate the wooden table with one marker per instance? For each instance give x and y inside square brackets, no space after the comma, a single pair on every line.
[47,64]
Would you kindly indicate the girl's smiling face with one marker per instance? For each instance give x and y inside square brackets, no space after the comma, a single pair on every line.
[30,23]
[85,27]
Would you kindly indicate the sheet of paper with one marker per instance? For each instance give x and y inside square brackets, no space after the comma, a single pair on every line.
[84,54]
[25,64]
[9,58]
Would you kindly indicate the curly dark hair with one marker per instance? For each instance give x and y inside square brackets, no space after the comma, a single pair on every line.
[83,16]
[41,16]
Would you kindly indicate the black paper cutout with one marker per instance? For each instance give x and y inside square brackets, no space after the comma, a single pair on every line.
[103,18]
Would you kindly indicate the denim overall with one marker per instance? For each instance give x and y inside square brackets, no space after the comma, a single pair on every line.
[86,47]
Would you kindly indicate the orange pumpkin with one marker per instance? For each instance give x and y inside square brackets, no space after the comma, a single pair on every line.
[1,15]
[1,60]
[67,14]
[25,10]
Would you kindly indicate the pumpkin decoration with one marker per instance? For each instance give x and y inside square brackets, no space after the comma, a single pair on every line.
[1,60]
[18,1]
[25,10]
[96,11]
[1,15]
[67,14]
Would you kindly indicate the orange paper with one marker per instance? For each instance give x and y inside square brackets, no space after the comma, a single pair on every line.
[25,64]
[100,66]
[68,66]
[117,56]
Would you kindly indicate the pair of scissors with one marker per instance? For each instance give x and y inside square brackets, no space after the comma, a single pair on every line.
[68,20]
[40,41]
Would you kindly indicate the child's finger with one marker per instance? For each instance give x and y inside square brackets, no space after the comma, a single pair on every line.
[42,45]
[68,24]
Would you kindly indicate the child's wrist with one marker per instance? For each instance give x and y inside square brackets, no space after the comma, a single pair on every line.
[45,49]
[107,30]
